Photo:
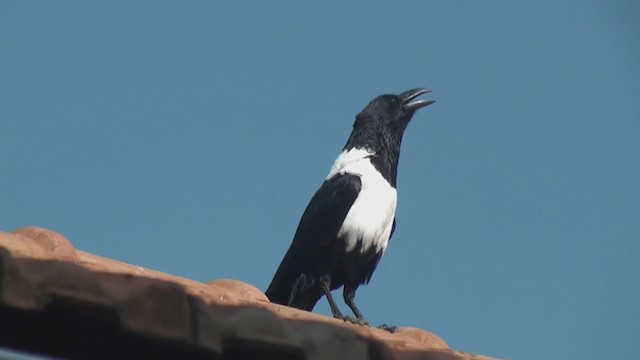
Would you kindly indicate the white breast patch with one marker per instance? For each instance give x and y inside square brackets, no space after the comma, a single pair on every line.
[370,218]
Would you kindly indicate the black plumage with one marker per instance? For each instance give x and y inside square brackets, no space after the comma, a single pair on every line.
[347,225]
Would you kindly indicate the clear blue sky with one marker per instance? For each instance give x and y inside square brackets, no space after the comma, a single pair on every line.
[189,137]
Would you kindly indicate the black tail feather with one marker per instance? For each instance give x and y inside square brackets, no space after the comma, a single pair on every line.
[306,294]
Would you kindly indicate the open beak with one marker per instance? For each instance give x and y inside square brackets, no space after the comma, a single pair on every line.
[410,104]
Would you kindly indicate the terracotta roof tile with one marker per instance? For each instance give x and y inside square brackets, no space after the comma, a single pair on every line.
[45,283]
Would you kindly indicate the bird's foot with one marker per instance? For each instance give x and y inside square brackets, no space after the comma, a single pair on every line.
[357,321]
[388,328]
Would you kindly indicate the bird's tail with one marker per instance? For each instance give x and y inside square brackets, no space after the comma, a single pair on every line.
[277,293]
[296,293]
[306,300]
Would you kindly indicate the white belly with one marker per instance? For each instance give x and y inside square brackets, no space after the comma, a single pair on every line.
[370,219]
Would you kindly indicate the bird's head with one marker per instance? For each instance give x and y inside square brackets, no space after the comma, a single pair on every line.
[392,111]
[383,121]
[379,128]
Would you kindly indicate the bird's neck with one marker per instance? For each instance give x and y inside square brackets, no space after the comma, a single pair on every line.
[384,147]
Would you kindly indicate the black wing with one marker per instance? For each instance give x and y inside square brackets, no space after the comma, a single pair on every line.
[318,228]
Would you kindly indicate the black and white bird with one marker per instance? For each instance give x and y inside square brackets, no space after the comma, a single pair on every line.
[347,225]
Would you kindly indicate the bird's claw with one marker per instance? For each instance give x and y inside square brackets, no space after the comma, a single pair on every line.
[357,321]
[388,328]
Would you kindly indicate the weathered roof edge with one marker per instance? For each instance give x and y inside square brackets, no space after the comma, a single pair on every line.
[40,270]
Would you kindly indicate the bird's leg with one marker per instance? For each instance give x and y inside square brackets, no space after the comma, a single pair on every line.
[294,289]
[349,294]
[388,328]
[325,284]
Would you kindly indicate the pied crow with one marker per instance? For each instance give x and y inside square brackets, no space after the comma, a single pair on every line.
[347,225]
